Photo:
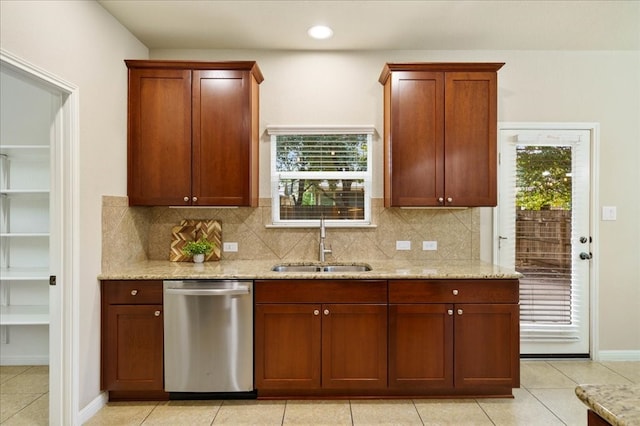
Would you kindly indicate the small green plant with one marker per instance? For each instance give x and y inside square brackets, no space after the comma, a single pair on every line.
[202,246]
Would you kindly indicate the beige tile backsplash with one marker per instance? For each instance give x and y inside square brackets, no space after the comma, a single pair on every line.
[131,234]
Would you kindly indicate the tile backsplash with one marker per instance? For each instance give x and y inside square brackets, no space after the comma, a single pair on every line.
[132,234]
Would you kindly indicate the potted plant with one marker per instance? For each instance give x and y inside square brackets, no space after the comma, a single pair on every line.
[198,249]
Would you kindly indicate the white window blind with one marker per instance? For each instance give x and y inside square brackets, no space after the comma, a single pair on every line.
[321,172]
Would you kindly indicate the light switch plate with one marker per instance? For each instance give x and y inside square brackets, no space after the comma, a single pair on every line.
[230,247]
[429,245]
[403,245]
[609,213]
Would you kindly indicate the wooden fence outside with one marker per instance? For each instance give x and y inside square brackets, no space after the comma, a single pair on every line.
[543,238]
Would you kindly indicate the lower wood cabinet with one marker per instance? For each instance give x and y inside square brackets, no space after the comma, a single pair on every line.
[337,347]
[132,340]
[454,348]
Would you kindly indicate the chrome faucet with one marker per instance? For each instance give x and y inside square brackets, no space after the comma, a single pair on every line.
[323,233]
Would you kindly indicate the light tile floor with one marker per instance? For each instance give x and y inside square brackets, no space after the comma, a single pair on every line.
[546,397]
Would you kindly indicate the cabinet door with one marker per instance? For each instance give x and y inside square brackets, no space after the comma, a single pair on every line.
[415,158]
[287,346]
[487,345]
[421,346]
[159,158]
[470,139]
[354,346]
[132,351]
[221,138]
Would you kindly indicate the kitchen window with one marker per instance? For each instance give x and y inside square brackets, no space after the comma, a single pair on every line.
[321,171]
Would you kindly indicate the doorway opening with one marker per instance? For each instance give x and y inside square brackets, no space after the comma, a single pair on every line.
[40,182]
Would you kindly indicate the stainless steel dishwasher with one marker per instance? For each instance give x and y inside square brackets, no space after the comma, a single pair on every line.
[208,336]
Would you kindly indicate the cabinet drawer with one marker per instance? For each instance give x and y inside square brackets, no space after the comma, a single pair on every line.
[453,291]
[132,292]
[321,291]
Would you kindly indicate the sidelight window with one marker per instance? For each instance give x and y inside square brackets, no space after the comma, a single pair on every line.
[318,171]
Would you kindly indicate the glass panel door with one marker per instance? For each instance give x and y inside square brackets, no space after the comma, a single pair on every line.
[543,231]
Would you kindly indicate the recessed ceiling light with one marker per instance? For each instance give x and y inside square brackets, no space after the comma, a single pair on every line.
[320,32]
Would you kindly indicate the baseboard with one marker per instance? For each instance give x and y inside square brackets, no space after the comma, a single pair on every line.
[24,360]
[93,407]
[632,355]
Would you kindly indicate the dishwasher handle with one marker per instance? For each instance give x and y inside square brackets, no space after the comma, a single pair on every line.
[208,291]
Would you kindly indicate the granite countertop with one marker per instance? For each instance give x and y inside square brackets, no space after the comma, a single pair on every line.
[617,404]
[261,269]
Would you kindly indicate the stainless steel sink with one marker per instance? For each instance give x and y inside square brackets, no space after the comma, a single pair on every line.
[321,268]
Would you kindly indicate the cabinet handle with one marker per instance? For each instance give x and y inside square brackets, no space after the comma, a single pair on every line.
[460,311]
[134,292]
[449,199]
[450,311]
[194,199]
[455,292]
[316,312]
[441,200]
[186,199]
[326,312]
[156,313]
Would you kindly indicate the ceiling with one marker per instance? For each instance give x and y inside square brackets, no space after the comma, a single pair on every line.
[382,25]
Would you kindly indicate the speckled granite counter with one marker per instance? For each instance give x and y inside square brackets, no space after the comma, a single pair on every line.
[617,404]
[261,269]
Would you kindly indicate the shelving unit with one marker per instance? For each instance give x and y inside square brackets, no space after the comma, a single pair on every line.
[24,245]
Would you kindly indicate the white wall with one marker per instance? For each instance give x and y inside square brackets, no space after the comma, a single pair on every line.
[81,43]
[540,86]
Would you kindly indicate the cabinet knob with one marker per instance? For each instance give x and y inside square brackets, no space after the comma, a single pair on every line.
[449,199]
[156,313]
[134,292]
[460,312]
[316,312]
[326,312]
[441,200]
[186,199]
[194,199]
[455,292]
[450,311]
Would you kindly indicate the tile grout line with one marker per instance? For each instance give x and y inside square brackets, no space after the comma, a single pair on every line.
[616,372]
[484,411]
[545,405]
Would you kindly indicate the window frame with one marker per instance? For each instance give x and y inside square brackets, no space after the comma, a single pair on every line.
[276,176]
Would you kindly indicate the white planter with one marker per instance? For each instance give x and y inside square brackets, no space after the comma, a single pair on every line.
[198,258]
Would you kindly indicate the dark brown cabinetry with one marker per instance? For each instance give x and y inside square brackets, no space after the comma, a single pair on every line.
[320,337]
[193,133]
[132,339]
[440,124]
[454,336]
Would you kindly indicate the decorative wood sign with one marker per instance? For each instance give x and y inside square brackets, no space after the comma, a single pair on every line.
[193,230]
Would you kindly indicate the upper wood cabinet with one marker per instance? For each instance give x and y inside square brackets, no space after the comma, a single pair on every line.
[193,133]
[440,130]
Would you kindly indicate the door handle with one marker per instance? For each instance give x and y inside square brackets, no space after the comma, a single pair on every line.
[585,256]
[208,291]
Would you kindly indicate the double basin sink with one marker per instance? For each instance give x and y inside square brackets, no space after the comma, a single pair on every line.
[321,267]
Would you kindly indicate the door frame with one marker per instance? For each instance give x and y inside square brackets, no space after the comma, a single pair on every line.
[594,202]
[64,306]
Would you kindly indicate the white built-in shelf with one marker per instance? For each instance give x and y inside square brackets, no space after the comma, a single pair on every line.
[24,234]
[24,274]
[25,192]
[24,315]
[20,150]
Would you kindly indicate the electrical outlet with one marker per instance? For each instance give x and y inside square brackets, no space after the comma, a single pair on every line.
[403,245]
[429,245]
[230,247]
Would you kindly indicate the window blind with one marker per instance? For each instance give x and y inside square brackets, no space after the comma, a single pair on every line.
[320,172]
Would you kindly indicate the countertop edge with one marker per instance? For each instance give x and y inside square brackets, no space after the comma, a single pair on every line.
[261,270]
